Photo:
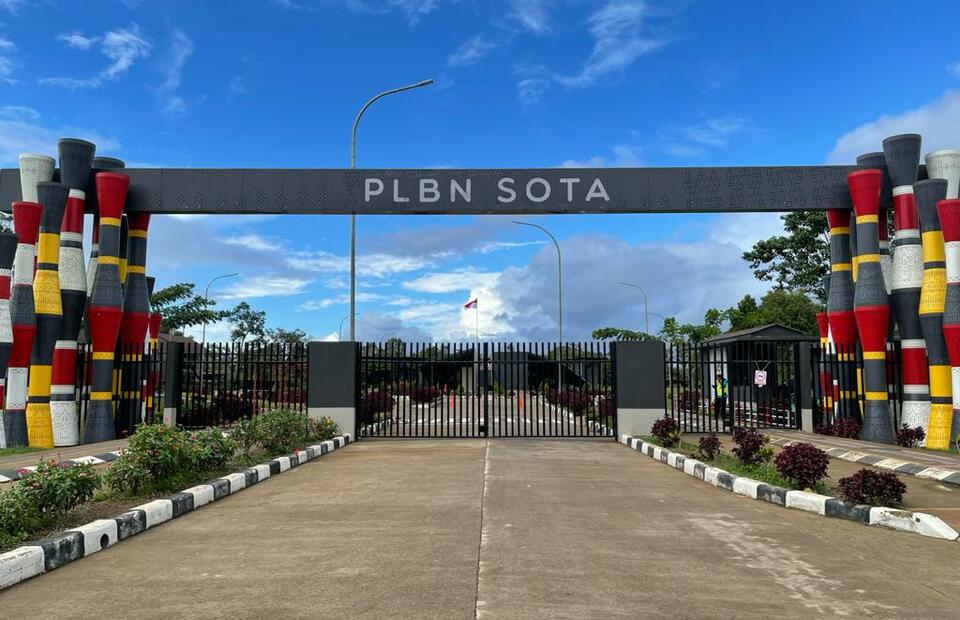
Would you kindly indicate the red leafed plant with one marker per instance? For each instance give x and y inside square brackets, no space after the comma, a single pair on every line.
[803,463]
[847,428]
[708,447]
[749,443]
[877,488]
[910,437]
[667,431]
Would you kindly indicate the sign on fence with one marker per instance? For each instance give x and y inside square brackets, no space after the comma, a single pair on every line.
[760,378]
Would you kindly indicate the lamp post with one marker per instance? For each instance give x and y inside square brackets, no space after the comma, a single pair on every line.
[353,216]
[559,294]
[206,297]
[646,313]
[340,329]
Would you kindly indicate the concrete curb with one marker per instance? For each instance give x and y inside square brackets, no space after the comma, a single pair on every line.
[823,505]
[10,475]
[50,553]
[371,430]
[919,470]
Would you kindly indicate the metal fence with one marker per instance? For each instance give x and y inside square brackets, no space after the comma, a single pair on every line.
[485,390]
[838,383]
[762,385]
[225,382]
[138,379]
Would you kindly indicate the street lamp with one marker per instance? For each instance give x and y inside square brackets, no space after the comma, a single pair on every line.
[559,275]
[559,298]
[646,313]
[206,297]
[353,216]
[340,329]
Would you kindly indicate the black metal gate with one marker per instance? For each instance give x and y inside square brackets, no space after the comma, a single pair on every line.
[488,390]
[762,385]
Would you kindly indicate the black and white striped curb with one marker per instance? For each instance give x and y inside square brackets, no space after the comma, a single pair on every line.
[371,430]
[823,505]
[45,555]
[941,474]
[11,475]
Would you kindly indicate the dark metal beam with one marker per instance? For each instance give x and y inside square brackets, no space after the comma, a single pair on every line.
[476,191]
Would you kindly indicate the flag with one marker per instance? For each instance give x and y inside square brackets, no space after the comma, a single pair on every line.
[471,304]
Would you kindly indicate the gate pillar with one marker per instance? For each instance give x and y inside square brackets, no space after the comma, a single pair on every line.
[640,386]
[805,379]
[332,383]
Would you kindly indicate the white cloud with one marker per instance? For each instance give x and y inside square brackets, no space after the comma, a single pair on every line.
[123,47]
[237,86]
[447,282]
[621,35]
[623,155]
[368,265]
[264,286]
[181,47]
[744,229]
[937,121]
[954,68]
[496,246]
[531,90]
[531,15]
[78,40]
[472,51]
[710,134]
[7,63]
[22,131]
[254,242]
[339,300]
[12,5]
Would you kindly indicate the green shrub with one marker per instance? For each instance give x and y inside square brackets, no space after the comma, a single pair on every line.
[210,449]
[161,457]
[43,495]
[278,431]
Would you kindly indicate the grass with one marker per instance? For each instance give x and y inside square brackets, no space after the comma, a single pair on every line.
[15,450]
[761,472]
[107,503]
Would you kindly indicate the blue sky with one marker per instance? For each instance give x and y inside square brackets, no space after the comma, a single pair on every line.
[520,83]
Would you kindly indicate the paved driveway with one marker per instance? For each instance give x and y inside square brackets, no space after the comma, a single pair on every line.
[499,529]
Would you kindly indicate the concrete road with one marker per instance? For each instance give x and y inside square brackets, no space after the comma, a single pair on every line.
[499,529]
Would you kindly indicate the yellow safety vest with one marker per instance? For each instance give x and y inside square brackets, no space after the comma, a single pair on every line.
[721,388]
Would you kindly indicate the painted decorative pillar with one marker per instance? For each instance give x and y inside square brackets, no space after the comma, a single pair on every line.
[902,153]
[23,322]
[878,161]
[949,213]
[932,298]
[826,378]
[105,307]
[871,306]
[945,164]
[149,351]
[135,324]
[49,309]
[8,247]
[34,169]
[76,157]
[843,328]
[99,163]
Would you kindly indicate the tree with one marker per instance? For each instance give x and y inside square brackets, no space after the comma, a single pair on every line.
[745,314]
[249,325]
[180,307]
[797,260]
[287,336]
[675,332]
[618,333]
[791,308]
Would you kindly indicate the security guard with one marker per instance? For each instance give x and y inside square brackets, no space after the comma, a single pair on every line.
[720,388]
